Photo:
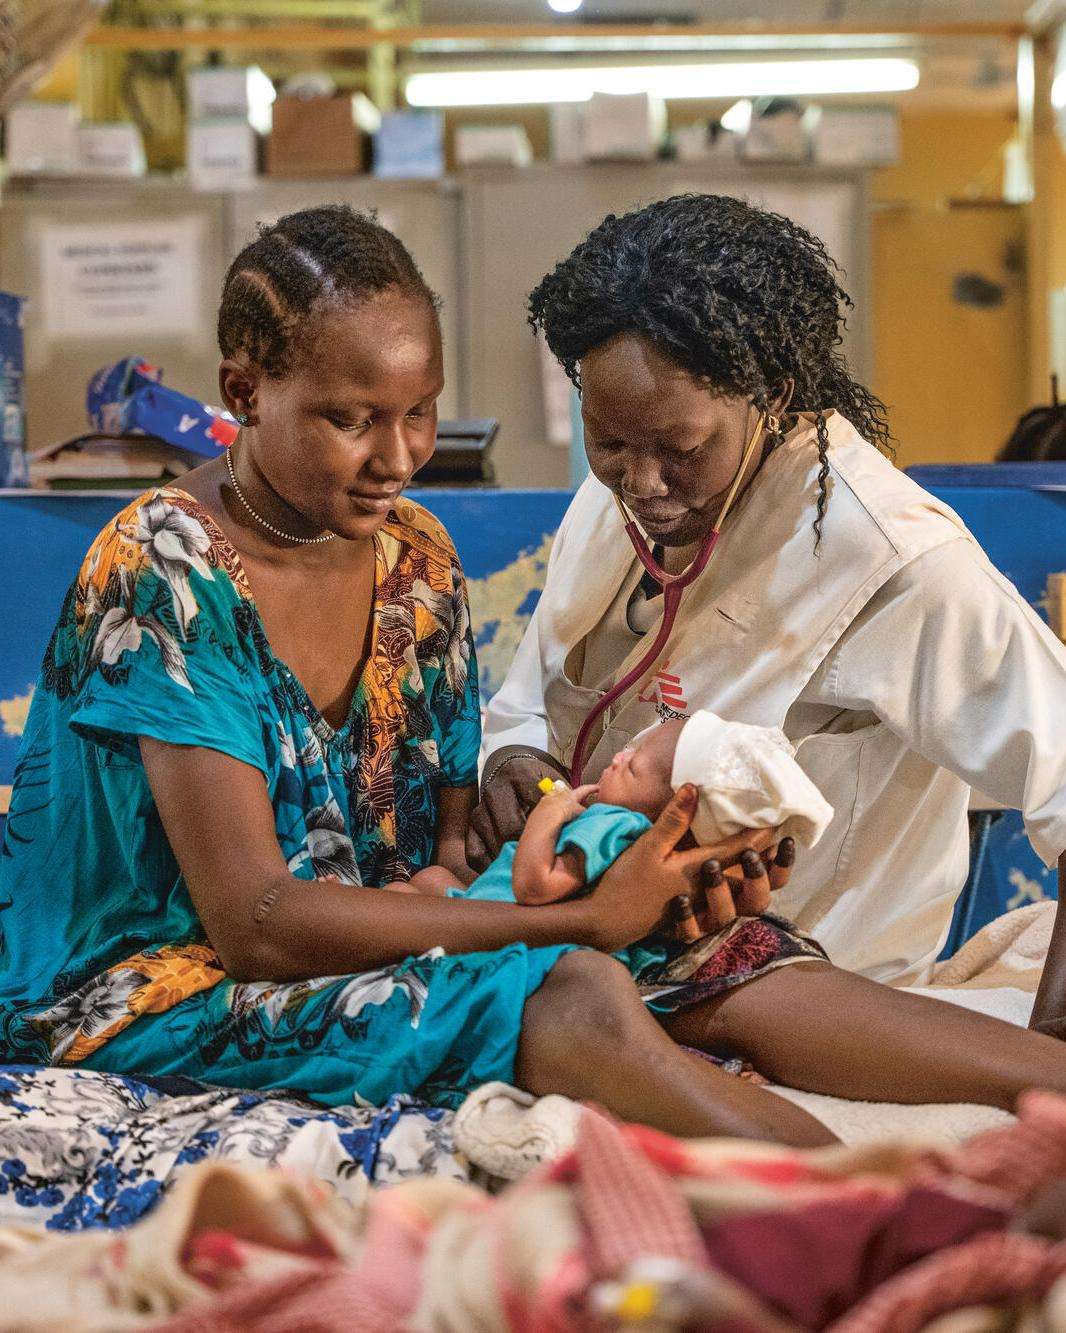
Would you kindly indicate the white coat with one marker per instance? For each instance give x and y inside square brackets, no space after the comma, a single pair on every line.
[899,661]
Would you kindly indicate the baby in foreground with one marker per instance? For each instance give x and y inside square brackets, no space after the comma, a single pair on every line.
[747,779]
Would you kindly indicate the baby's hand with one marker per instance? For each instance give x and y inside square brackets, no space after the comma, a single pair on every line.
[569,802]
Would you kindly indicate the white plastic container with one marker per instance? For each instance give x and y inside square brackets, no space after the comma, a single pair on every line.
[42,138]
[496,145]
[852,136]
[110,150]
[629,126]
[223,93]
[784,136]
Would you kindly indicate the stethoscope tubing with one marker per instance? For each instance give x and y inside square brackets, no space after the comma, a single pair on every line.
[673,586]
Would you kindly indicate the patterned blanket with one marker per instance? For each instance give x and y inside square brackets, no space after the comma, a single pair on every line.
[80,1149]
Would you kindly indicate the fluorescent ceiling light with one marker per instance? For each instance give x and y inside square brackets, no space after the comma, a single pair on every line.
[1058,91]
[764,78]
[565,6]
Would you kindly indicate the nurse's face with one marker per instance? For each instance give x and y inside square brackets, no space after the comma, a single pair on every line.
[665,444]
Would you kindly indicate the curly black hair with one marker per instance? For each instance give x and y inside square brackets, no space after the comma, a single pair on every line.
[279,282]
[742,298]
[1039,437]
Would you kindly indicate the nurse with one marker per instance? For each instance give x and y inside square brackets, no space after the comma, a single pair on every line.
[843,603]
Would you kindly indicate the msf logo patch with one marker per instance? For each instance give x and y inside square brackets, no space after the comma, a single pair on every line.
[665,691]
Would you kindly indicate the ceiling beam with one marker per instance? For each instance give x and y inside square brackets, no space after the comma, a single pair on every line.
[319,37]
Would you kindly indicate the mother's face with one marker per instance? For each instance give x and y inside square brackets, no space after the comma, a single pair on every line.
[665,445]
[341,434]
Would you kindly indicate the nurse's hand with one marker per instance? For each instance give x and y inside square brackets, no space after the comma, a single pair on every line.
[508,792]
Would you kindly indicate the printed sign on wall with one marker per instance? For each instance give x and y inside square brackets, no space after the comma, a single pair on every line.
[118,280]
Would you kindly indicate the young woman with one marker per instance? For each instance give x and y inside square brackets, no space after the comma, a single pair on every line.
[842,603]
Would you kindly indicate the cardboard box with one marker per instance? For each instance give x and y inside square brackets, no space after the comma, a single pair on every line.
[319,136]
[111,150]
[567,131]
[222,93]
[13,470]
[42,138]
[221,154]
[493,145]
[855,136]
[410,146]
[624,126]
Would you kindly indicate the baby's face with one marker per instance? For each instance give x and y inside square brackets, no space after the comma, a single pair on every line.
[638,777]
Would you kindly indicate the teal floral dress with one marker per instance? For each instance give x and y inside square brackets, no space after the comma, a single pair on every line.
[104,961]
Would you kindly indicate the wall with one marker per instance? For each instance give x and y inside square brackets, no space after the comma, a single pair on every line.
[955,377]
[1047,235]
[484,240]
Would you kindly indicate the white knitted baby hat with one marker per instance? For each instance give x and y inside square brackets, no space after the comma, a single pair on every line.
[747,778]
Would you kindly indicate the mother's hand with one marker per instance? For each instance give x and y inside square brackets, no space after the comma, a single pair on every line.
[630,900]
[633,896]
[508,792]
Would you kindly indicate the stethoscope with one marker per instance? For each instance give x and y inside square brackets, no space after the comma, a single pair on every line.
[673,586]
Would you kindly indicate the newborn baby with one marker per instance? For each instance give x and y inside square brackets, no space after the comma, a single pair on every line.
[747,778]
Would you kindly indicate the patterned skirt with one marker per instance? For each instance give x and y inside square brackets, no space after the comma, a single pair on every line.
[747,948]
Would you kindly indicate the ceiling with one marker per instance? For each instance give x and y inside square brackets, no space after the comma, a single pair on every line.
[971,71]
[735,11]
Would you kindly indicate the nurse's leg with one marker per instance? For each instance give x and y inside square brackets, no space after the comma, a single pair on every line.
[586,1034]
[815,1027]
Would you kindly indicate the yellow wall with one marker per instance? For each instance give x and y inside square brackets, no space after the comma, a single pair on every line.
[955,377]
[1047,234]
[62,83]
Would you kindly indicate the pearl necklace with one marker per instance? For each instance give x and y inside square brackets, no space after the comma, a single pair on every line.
[286,536]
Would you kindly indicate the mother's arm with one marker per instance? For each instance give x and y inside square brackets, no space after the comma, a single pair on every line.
[454,808]
[267,925]
[516,739]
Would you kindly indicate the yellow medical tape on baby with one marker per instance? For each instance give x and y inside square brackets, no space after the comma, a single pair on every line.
[548,785]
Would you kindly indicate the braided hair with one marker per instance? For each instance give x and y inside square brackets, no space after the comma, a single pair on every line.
[741,298]
[279,283]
